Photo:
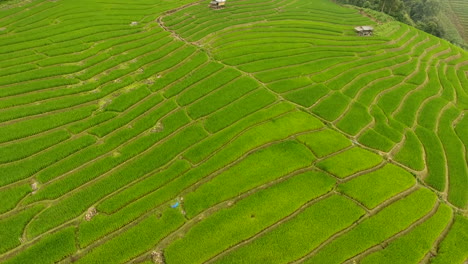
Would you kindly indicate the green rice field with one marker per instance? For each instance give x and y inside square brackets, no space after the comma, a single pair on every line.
[265,132]
[456,12]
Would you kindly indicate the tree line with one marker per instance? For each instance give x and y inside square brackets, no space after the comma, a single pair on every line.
[422,14]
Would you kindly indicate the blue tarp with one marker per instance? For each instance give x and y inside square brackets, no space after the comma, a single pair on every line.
[175,205]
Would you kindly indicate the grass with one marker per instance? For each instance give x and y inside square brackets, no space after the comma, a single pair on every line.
[221,97]
[411,154]
[90,122]
[106,128]
[377,228]
[297,237]
[34,126]
[11,228]
[141,238]
[207,85]
[11,196]
[453,248]
[267,64]
[238,109]
[386,126]
[88,173]
[331,107]
[124,101]
[304,69]
[334,142]
[143,187]
[245,116]
[212,144]
[349,162]
[36,163]
[436,160]
[190,79]
[23,149]
[172,76]
[431,110]
[373,188]
[375,140]
[307,96]
[78,203]
[52,248]
[355,119]
[257,169]
[413,246]
[247,217]
[456,165]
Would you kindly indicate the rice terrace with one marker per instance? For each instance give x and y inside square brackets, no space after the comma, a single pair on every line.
[254,131]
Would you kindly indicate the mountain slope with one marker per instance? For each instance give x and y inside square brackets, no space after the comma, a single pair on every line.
[266,132]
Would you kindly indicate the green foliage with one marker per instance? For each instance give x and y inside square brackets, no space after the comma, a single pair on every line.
[307,96]
[279,62]
[376,228]
[349,162]
[373,188]
[411,153]
[386,126]
[240,108]
[214,143]
[79,127]
[170,60]
[143,187]
[355,119]
[116,139]
[297,237]
[66,184]
[124,101]
[34,126]
[423,14]
[192,78]
[50,249]
[108,127]
[129,118]
[74,205]
[25,148]
[178,73]
[301,69]
[460,130]
[454,248]
[258,168]
[246,218]
[11,196]
[11,228]
[325,142]
[435,158]
[412,247]
[332,106]
[207,85]
[221,97]
[35,163]
[456,163]
[375,140]
[140,238]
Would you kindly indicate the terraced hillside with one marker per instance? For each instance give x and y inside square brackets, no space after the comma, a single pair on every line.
[267,132]
[460,18]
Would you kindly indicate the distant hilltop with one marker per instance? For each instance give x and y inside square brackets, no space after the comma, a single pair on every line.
[446,19]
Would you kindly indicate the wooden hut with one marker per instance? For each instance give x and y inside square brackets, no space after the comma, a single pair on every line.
[217,4]
[364,30]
